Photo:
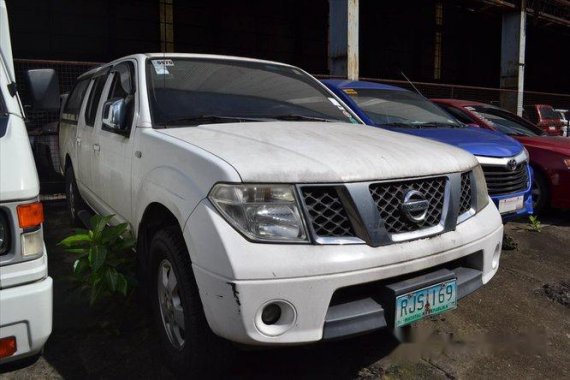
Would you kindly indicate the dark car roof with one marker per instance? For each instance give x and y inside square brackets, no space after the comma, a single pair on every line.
[460,102]
[358,84]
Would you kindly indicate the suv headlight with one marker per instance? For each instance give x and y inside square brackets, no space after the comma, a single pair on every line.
[4,234]
[265,213]
[482,196]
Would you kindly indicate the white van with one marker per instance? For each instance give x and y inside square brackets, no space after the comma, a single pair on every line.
[25,288]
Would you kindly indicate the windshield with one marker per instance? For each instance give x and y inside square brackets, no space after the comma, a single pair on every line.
[506,122]
[401,109]
[547,112]
[192,91]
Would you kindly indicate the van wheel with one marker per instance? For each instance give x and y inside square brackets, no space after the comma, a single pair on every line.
[188,345]
[74,201]
[540,193]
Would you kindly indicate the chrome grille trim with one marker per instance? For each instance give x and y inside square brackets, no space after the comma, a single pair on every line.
[388,197]
[368,226]
[502,180]
[327,213]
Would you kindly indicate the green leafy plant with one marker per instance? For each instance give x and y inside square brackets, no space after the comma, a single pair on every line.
[103,266]
[534,223]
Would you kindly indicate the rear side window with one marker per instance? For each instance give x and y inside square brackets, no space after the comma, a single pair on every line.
[73,103]
[94,97]
[547,112]
[458,114]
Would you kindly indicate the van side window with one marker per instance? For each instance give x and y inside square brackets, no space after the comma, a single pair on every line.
[93,101]
[74,101]
[122,87]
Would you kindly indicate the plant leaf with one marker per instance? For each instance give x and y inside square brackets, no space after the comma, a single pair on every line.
[110,234]
[77,251]
[98,223]
[111,278]
[80,266]
[74,240]
[122,285]
[97,257]
[96,290]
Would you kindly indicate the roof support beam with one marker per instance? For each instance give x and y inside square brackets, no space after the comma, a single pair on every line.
[343,38]
[513,43]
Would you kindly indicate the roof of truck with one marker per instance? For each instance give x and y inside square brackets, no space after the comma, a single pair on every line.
[180,55]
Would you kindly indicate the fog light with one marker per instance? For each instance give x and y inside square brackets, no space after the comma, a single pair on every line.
[496,257]
[8,346]
[275,317]
[271,314]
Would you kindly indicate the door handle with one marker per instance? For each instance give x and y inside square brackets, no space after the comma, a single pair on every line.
[96,147]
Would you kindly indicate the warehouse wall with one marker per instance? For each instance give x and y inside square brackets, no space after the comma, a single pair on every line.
[290,31]
[92,30]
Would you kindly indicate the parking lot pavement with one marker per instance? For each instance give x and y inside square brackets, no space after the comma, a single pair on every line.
[518,326]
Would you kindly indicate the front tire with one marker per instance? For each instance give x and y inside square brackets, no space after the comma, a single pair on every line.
[74,201]
[188,345]
[540,193]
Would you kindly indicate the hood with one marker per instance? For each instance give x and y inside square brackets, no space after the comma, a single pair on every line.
[18,175]
[477,141]
[311,152]
[551,143]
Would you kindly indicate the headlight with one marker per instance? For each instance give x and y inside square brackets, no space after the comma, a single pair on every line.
[482,197]
[4,234]
[268,213]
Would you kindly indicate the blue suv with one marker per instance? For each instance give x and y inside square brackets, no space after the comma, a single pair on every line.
[503,159]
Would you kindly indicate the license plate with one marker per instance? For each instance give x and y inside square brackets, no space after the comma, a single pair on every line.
[435,299]
[511,204]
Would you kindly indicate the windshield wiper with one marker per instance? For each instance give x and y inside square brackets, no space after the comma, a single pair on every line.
[437,124]
[295,117]
[208,119]
[400,125]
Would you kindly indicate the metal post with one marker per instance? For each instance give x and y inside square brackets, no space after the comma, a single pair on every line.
[352,49]
[343,38]
[513,43]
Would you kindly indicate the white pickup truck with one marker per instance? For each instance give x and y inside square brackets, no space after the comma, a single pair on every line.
[265,212]
[25,288]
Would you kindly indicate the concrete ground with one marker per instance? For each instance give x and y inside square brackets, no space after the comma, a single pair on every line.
[518,326]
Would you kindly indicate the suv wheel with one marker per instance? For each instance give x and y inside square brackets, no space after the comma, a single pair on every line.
[540,194]
[74,201]
[188,344]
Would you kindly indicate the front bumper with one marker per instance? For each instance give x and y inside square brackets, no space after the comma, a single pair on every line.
[560,188]
[236,278]
[526,210]
[26,313]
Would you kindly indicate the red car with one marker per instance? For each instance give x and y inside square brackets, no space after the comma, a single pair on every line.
[549,156]
[545,118]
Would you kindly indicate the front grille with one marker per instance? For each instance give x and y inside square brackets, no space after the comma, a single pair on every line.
[326,211]
[465,198]
[501,180]
[390,196]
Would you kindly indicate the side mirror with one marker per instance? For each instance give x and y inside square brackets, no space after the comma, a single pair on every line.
[44,89]
[114,115]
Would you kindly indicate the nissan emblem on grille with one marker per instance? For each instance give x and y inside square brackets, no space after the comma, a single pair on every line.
[512,164]
[415,206]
